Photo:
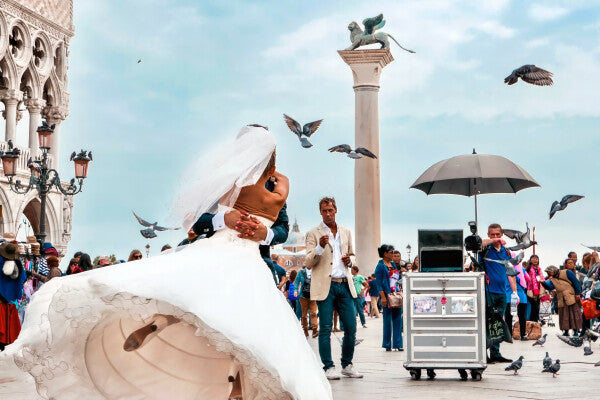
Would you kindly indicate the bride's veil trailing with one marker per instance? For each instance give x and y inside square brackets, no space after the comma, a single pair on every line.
[218,176]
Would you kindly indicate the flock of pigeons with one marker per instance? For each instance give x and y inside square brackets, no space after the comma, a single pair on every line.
[306,131]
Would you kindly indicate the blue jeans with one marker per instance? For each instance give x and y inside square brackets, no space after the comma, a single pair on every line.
[360,309]
[392,328]
[341,300]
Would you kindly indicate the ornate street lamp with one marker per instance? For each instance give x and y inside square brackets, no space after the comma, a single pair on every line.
[43,178]
[147,250]
[408,249]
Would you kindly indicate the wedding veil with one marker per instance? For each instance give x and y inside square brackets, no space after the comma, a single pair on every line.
[217,177]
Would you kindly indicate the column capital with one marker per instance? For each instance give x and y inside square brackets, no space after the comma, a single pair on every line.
[35,105]
[366,65]
[54,114]
[11,96]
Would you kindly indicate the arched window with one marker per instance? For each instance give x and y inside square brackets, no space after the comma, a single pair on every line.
[288,263]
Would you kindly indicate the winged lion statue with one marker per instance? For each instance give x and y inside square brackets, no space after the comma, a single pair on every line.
[358,37]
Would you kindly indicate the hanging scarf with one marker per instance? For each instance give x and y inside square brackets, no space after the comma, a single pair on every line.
[533,283]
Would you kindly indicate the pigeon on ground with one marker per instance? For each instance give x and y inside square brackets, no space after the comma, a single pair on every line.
[547,361]
[597,364]
[595,248]
[540,341]
[564,202]
[355,154]
[515,366]
[530,74]
[149,233]
[303,132]
[554,368]
[587,349]
[571,341]
[357,341]
[523,239]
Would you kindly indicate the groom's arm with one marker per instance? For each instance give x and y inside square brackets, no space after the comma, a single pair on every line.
[280,229]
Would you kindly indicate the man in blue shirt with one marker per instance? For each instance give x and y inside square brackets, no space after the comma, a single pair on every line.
[498,283]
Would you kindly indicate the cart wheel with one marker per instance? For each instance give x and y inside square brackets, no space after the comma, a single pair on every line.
[415,374]
[476,374]
[463,374]
[430,374]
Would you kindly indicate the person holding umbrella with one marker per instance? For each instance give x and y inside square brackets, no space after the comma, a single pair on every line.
[498,284]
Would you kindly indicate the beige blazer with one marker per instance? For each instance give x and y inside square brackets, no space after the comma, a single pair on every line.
[322,264]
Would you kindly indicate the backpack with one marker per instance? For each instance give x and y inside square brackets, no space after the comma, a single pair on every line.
[291,289]
[306,286]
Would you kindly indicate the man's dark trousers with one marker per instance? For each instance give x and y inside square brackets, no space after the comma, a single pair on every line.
[498,302]
[341,300]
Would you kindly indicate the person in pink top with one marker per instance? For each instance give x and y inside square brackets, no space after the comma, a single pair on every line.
[534,276]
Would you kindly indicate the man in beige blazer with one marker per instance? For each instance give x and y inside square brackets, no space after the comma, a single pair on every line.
[328,251]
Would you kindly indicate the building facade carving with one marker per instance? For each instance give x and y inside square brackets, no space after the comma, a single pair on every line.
[34,43]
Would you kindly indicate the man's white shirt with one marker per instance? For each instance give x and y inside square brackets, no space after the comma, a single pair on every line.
[338,269]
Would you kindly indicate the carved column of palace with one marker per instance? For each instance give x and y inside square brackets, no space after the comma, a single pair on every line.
[55,115]
[11,98]
[366,66]
[34,106]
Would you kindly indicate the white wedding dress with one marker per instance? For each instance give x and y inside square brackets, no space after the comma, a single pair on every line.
[233,320]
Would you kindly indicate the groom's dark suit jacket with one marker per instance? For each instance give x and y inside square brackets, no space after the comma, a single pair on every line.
[280,229]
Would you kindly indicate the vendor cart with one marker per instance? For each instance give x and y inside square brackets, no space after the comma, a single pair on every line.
[444,322]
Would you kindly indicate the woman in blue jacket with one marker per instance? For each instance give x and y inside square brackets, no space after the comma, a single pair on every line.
[387,277]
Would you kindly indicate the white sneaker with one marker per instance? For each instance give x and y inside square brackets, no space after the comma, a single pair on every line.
[331,374]
[351,372]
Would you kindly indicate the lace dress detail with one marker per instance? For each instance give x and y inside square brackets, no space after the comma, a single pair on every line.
[254,334]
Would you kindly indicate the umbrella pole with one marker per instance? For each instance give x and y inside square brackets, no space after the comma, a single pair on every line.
[476,211]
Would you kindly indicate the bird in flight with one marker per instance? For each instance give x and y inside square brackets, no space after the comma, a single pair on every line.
[354,154]
[595,248]
[523,239]
[149,232]
[530,74]
[303,132]
[139,61]
[564,202]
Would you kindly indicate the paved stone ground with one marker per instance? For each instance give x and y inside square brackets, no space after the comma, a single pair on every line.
[385,377]
[384,374]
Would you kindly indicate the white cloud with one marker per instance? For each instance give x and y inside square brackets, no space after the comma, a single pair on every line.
[544,13]
[494,28]
[535,43]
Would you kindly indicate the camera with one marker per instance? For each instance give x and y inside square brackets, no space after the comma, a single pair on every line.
[473,242]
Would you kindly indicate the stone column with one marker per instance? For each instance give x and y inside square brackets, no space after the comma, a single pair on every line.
[366,66]
[34,106]
[11,98]
[55,115]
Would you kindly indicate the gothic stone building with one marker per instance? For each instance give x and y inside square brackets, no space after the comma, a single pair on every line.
[34,43]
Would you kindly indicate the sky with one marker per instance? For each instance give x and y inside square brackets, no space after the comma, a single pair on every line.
[209,68]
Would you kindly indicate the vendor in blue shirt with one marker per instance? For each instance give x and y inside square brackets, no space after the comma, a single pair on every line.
[498,283]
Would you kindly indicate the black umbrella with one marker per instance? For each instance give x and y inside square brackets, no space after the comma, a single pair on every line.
[473,174]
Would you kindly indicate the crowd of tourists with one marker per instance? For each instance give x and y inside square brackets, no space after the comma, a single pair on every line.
[540,291]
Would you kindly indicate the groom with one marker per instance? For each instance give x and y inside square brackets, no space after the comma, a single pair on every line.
[249,227]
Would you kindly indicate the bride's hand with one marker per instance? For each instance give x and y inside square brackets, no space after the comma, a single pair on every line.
[251,228]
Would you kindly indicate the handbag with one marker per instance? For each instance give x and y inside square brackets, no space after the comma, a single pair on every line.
[395,300]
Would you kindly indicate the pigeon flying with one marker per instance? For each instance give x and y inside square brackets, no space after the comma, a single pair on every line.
[540,341]
[149,233]
[530,74]
[559,206]
[547,361]
[354,154]
[523,239]
[303,132]
[515,366]
[554,368]
[595,248]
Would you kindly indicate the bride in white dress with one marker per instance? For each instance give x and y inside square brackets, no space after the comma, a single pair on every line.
[202,323]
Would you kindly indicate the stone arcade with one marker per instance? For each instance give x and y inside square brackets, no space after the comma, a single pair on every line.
[34,40]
